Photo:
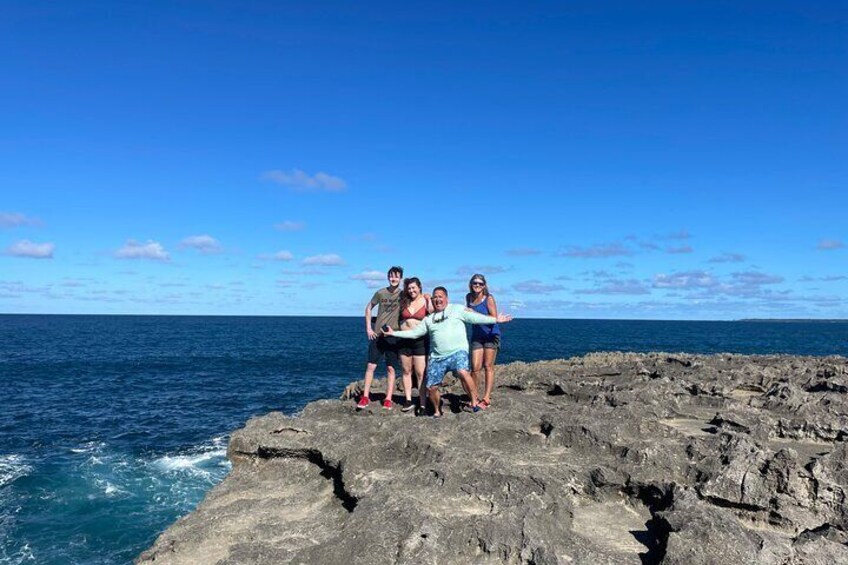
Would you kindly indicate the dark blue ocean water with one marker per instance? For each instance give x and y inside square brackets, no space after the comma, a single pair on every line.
[111,427]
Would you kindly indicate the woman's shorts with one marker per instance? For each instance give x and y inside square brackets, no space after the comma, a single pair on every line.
[437,368]
[410,347]
[492,342]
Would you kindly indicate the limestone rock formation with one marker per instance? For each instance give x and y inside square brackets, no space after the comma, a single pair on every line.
[609,458]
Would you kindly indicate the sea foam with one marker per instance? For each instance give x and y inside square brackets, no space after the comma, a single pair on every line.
[12,468]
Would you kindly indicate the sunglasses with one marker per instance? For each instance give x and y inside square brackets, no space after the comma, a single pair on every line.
[477,283]
[439,320]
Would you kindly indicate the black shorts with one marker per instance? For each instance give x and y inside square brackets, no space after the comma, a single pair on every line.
[490,342]
[418,346]
[383,347]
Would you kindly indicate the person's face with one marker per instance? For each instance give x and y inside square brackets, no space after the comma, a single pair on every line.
[440,300]
[477,286]
[393,278]
[413,290]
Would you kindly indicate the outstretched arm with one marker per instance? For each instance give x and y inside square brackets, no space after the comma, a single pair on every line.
[475,318]
[416,332]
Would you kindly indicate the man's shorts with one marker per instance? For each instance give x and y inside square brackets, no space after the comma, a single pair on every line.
[409,347]
[437,368]
[383,347]
[493,342]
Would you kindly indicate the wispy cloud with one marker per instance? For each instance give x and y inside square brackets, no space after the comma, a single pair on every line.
[685,280]
[202,243]
[827,278]
[756,278]
[830,244]
[599,251]
[16,219]
[278,256]
[701,285]
[616,286]
[328,260]
[522,251]
[681,234]
[372,279]
[151,250]
[301,181]
[468,270]
[728,258]
[369,276]
[31,250]
[679,250]
[290,225]
[535,286]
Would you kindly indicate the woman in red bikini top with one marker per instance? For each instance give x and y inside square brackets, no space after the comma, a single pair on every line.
[414,307]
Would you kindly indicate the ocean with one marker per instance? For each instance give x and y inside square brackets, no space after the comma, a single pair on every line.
[111,427]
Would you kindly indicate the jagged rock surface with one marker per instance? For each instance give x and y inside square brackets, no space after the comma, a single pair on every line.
[608,458]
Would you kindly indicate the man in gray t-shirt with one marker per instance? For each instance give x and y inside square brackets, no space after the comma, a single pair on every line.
[387,301]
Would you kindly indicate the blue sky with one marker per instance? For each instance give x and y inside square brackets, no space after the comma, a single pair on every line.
[658,160]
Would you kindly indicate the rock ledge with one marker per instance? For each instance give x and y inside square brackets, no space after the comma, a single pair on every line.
[608,458]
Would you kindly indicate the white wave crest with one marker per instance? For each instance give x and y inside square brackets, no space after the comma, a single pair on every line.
[89,447]
[12,468]
[202,460]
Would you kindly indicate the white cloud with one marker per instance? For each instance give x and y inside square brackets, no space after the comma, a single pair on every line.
[281,255]
[369,276]
[290,225]
[686,280]
[152,250]
[682,234]
[487,270]
[755,279]
[301,181]
[679,250]
[202,243]
[829,244]
[728,258]
[522,251]
[372,279]
[617,286]
[15,219]
[599,251]
[27,248]
[328,260]
[536,286]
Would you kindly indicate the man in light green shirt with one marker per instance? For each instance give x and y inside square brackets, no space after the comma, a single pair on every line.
[448,344]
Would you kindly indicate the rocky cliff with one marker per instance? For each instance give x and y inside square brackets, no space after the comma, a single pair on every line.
[608,458]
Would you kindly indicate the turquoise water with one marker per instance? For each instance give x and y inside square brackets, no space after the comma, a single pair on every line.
[111,427]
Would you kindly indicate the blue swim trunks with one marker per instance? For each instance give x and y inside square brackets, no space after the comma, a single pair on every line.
[437,368]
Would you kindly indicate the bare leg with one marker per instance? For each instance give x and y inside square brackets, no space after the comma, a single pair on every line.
[477,366]
[436,399]
[468,383]
[369,376]
[390,381]
[420,364]
[406,362]
[489,357]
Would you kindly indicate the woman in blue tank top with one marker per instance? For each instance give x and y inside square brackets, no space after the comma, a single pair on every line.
[485,339]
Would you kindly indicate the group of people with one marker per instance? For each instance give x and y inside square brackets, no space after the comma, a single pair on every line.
[428,335]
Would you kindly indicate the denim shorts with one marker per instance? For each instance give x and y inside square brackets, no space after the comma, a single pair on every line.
[436,368]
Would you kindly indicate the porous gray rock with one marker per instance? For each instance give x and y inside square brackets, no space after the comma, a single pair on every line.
[608,458]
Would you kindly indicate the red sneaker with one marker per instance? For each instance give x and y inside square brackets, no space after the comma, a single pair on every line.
[363,402]
[387,404]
